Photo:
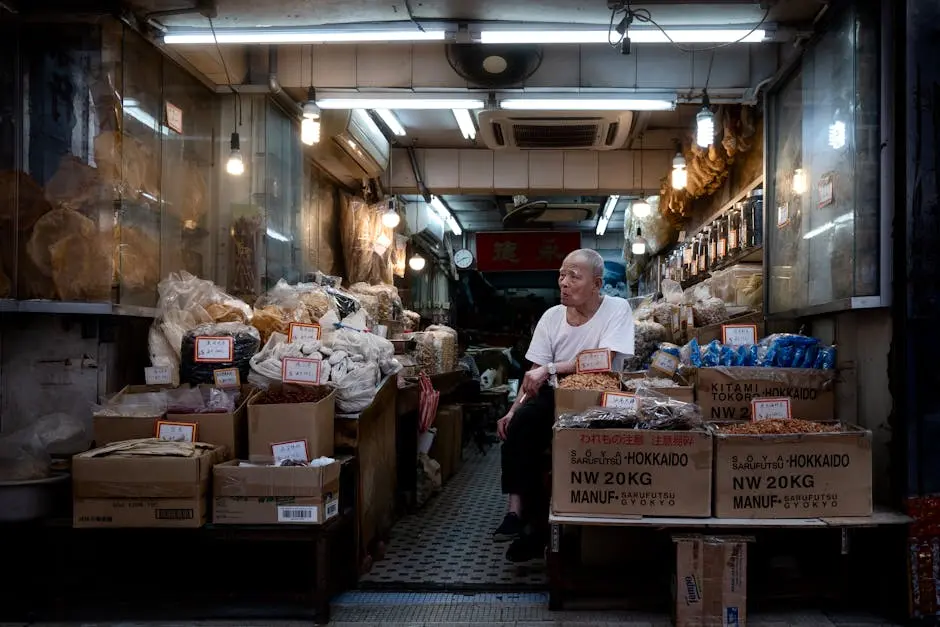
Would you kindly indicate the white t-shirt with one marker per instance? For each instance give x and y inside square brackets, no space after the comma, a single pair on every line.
[556,341]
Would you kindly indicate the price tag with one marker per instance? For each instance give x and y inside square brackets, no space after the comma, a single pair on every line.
[675,321]
[722,248]
[733,240]
[174,117]
[783,214]
[300,370]
[598,360]
[300,332]
[176,431]
[665,363]
[211,349]
[735,335]
[227,378]
[290,451]
[619,400]
[770,409]
[824,191]
[158,375]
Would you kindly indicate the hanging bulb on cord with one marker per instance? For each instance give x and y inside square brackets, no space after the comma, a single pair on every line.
[640,208]
[680,176]
[417,263]
[705,124]
[235,164]
[390,217]
[310,125]
[639,243]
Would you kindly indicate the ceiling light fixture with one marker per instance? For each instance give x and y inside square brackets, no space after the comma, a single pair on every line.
[705,124]
[680,176]
[444,214]
[637,102]
[417,263]
[610,205]
[413,104]
[641,209]
[602,223]
[465,122]
[391,121]
[638,35]
[267,35]
[639,243]
[391,217]
[310,124]
[235,164]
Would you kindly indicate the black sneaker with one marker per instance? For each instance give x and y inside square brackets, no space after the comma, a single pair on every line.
[510,529]
[526,548]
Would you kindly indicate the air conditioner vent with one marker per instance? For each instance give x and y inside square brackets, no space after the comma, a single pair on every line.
[566,136]
[498,134]
[612,133]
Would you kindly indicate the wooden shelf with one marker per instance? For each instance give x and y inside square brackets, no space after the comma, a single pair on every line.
[754,255]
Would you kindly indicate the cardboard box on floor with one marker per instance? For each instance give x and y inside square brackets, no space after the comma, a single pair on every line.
[226,429]
[806,475]
[447,448]
[710,587]
[725,393]
[142,491]
[264,495]
[270,424]
[628,472]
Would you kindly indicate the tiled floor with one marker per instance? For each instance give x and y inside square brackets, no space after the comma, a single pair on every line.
[447,545]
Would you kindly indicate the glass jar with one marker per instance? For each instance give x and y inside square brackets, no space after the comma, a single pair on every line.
[703,257]
[687,271]
[712,246]
[755,202]
[734,230]
[721,226]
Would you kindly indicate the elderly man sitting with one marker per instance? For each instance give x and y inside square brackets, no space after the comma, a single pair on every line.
[585,320]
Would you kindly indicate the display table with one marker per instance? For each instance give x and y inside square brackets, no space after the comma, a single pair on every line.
[564,551]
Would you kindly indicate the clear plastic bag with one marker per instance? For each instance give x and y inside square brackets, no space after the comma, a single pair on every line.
[26,453]
[356,389]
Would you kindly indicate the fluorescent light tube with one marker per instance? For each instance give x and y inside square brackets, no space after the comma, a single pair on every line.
[612,201]
[299,36]
[633,103]
[602,225]
[454,226]
[637,36]
[391,121]
[418,104]
[439,208]
[465,122]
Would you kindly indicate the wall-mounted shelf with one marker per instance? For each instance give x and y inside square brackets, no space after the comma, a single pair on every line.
[754,255]
[8,305]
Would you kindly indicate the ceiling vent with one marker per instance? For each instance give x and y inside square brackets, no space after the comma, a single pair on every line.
[544,212]
[353,147]
[554,130]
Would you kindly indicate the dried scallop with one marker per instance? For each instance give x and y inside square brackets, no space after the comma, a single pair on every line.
[81,267]
[53,227]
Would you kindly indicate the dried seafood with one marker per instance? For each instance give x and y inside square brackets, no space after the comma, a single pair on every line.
[600,381]
[293,394]
[779,427]
[245,235]
[649,382]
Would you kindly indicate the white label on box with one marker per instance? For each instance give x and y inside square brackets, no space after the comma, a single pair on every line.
[300,370]
[332,509]
[215,349]
[619,400]
[735,335]
[300,332]
[297,513]
[664,362]
[293,450]
[158,375]
[176,431]
[227,378]
[770,409]
[594,361]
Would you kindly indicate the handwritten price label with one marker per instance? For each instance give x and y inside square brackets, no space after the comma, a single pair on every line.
[665,363]
[783,214]
[176,431]
[300,370]
[770,409]
[210,349]
[292,451]
[300,332]
[735,335]
[594,361]
[158,375]
[227,378]
[619,400]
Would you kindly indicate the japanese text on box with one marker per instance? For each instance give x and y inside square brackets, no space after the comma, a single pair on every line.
[227,378]
[594,361]
[292,451]
[215,349]
[617,400]
[158,375]
[299,370]
[735,335]
[770,409]
[300,332]
[176,431]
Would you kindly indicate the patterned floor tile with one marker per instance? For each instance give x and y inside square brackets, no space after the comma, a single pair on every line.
[448,544]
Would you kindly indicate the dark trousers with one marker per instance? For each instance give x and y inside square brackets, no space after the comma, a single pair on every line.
[523,453]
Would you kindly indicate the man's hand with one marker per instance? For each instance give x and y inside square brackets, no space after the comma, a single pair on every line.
[502,425]
[533,380]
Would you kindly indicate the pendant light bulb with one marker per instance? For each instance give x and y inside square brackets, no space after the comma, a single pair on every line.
[641,209]
[639,244]
[680,176]
[417,263]
[391,219]
[799,181]
[310,131]
[235,164]
[705,127]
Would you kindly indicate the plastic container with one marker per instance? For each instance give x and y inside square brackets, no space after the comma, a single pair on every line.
[730,285]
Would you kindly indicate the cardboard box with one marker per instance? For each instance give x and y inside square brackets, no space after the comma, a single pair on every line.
[628,472]
[726,393]
[447,448]
[141,491]
[572,401]
[806,475]
[684,392]
[263,495]
[109,429]
[710,587]
[711,332]
[225,429]
[269,424]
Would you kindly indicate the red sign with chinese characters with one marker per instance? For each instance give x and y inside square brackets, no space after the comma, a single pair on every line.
[512,251]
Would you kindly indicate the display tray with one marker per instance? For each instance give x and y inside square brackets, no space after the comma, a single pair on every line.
[880,517]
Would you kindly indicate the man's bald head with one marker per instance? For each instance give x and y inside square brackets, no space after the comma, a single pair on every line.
[590,259]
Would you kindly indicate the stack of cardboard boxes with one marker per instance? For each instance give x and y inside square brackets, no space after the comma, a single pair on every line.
[234,474]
